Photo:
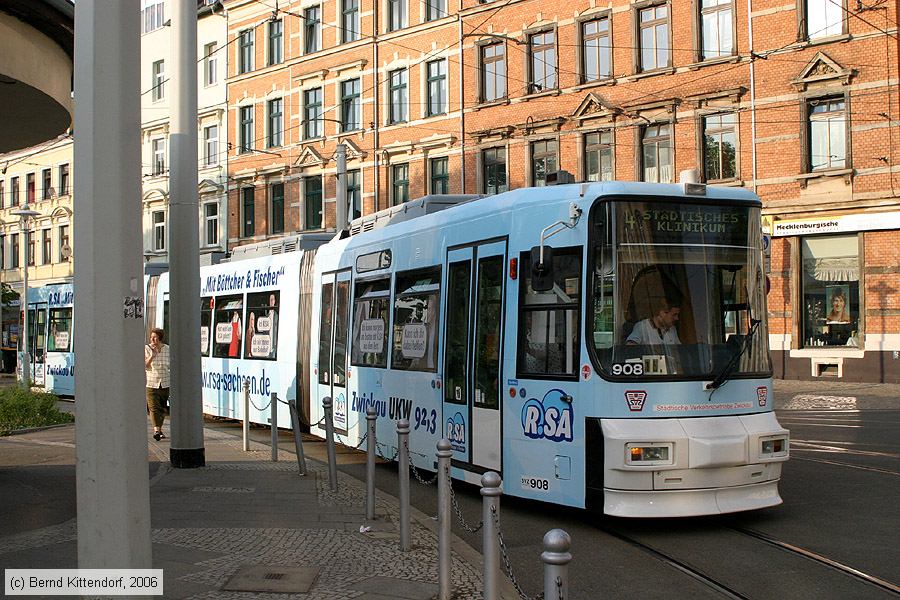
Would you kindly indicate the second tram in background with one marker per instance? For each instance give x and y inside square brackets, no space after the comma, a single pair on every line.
[50,339]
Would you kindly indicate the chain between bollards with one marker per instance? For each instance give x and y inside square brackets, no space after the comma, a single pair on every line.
[273,422]
[371,415]
[298,438]
[329,443]
[403,473]
[246,426]
[445,518]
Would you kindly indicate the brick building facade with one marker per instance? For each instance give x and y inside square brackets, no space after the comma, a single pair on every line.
[798,103]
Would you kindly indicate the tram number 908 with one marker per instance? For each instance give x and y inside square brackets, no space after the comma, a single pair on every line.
[535,483]
[628,368]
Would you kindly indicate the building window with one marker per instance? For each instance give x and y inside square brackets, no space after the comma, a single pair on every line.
[312,29]
[245,51]
[437,88]
[824,18]
[276,42]
[47,189]
[210,64]
[14,250]
[248,208]
[542,61]
[30,188]
[399,112]
[14,191]
[211,221]
[313,200]
[312,113]
[29,247]
[720,147]
[354,193]
[277,198]
[64,249]
[211,145]
[152,15]
[349,20]
[396,14]
[2,195]
[435,9]
[63,189]
[717,28]
[351,108]
[827,134]
[400,183]
[159,80]
[830,291]
[246,142]
[46,259]
[159,156]
[543,160]
[493,72]
[2,252]
[654,49]
[159,231]
[598,156]
[440,175]
[597,55]
[493,162]
[276,122]
[656,153]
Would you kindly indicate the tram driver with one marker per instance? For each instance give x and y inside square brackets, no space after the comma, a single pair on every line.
[659,328]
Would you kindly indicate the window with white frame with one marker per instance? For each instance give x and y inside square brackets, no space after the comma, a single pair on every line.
[14,250]
[655,52]
[716,28]
[275,109]
[245,51]
[827,133]
[493,72]
[276,42]
[211,223]
[312,29]
[720,146]
[46,245]
[14,191]
[435,9]
[542,61]
[152,15]
[440,175]
[276,203]
[159,230]
[30,188]
[396,14]
[400,183]
[354,193]
[824,18]
[656,153]
[248,211]
[596,50]
[65,250]
[159,80]
[210,64]
[312,114]
[493,165]
[399,110]
[211,145]
[63,188]
[437,88]
[544,159]
[159,155]
[349,20]
[312,196]
[246,118]
[351,105]
[47,180]
[598,156]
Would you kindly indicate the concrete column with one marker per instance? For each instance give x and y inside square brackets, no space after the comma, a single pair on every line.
[113,494]
[186,450]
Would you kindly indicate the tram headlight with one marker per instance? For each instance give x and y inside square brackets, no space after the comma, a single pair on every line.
[648,454]
[776,446]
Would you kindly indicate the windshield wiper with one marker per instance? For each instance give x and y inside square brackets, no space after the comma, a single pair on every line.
[723,375]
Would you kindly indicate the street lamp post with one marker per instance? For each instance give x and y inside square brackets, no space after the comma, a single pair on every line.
[25,214]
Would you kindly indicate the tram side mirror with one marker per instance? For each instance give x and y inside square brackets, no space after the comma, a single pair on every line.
[542,272]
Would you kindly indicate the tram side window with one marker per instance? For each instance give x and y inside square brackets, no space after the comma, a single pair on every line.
[206,309]
[371,309]
[261,340]
[60,339]
[341,323]
[325,335]
[228,326]
[549,321]
[416,304]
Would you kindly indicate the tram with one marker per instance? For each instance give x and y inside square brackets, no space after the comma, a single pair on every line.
[599,345]
[52,357]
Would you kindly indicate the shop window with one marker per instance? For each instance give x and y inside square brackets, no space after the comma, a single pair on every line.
[830,310]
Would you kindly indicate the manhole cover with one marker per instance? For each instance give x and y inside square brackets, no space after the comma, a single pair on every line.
[266,578]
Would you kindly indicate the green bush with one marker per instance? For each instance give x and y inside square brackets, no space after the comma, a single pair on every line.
[20,409]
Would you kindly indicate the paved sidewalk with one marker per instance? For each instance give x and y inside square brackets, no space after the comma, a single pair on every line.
[241,527]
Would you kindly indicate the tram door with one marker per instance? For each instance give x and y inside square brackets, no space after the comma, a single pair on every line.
[37,340]
[333,343]
[473,355]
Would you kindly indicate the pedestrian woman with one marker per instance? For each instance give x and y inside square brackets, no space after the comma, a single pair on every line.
[156,363]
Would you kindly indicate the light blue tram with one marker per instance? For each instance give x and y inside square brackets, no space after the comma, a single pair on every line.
[599,345]
[50,338]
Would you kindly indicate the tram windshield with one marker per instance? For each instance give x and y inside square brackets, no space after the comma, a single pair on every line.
[678,290]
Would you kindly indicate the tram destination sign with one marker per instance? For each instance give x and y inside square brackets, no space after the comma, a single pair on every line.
[664,223]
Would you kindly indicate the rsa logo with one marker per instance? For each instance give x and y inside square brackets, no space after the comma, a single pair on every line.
[551,418]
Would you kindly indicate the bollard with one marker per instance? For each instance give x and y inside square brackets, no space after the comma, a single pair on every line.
[298,438]
[445,517]
[371,415]
[403,473]
[273,421]
[246,415]
[329,444]
[490,501]
[556,558]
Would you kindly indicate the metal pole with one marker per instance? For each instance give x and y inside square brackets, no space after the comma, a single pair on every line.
[556,558]
[298,438]
[490,501]
[329,443]
[273,421]
[246,427]
[403,472]
[340,201]
[26,357]
[371,415]
[445,515]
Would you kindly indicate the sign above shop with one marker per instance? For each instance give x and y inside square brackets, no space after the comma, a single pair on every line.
[842,224]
